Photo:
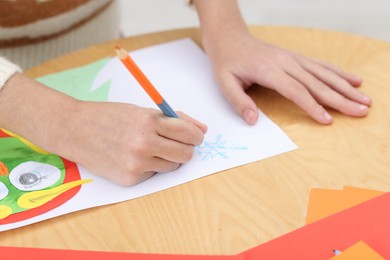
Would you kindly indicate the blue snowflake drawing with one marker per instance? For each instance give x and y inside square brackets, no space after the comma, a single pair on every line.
[217,148]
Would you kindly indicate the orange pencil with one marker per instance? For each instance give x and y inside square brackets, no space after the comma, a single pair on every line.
[144,82]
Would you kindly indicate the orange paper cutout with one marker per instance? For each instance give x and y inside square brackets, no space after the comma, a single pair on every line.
[360,250]
[325,202]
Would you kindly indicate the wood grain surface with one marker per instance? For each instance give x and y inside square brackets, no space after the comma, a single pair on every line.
[234,210]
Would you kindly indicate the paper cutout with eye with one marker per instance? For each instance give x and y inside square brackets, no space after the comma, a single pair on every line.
[33,181]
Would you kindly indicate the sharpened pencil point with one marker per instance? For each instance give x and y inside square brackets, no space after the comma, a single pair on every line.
[121,53]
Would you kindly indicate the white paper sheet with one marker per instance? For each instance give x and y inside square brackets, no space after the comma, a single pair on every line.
[182,74]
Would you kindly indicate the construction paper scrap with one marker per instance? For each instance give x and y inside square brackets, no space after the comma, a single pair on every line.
[183,75]
[58,254]
[325,202]
[368,221]
[77,82]
[362,192]
[360,250]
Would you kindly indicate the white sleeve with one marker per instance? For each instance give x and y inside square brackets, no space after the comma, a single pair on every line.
[7,69]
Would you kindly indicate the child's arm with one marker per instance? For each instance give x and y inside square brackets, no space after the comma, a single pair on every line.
[240,60]
[121,142]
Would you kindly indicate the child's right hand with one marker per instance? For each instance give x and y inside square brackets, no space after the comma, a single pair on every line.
[121,142]
[128,144]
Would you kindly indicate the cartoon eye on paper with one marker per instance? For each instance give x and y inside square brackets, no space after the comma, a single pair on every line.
[29,176]
[33,181]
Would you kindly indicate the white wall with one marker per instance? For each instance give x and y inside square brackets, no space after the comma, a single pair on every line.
[370,18]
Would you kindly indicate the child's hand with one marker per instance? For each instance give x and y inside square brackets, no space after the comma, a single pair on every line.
[128,144]
[241,61]
[121,142]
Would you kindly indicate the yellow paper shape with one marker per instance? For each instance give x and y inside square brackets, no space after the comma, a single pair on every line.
[5,211]
[38,198]
[326,202]
[26,142]
[360,250]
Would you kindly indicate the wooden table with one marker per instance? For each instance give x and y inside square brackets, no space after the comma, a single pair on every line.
[237,209]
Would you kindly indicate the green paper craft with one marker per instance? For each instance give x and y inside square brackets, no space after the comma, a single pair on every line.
[77,82]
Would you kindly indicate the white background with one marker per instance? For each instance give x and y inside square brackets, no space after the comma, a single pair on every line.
[370,18]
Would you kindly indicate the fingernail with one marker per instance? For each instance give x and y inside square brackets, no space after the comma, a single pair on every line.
[249,116]
[327,116]
[362,107]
